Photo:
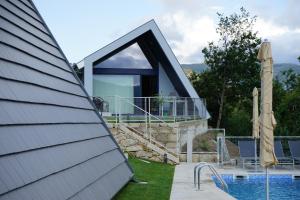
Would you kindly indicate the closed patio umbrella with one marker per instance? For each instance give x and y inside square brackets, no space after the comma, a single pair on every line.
[267,120]
[255,122]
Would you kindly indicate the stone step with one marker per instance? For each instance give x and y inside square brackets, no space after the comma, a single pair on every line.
[154,145]
[171,145]
[172,138]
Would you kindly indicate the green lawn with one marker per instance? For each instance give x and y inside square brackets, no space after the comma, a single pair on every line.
[159,177]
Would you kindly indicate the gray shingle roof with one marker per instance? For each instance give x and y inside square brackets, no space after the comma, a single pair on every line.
[53,144]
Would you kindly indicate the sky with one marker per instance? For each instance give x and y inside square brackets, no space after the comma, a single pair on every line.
[84,26]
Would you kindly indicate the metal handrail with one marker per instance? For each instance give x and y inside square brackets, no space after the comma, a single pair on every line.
[174,99]
[197,171]
[149,114]
[143,110]
[156,142]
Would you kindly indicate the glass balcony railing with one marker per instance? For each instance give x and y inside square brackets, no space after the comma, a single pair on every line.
[136,109]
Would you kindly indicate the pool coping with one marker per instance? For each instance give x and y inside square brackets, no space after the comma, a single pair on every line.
[183,187]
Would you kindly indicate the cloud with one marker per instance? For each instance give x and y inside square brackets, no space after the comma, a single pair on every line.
[290,16]
[190,25]
[187,35]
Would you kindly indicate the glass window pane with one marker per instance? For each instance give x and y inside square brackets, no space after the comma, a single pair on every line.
[107,86]
[130,58]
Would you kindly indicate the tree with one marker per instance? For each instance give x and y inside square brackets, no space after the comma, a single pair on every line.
[232,60]
[289,79]
[79,72]
[286,97]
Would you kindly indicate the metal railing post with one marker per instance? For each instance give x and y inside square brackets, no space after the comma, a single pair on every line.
[119,109]
[185,108]
[194,108]
[149,116]
[116,113]
[146,120]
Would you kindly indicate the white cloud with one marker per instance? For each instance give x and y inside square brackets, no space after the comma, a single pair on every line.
[268,29]
[187,35]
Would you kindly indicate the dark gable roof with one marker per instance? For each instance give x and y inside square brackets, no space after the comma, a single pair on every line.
[156,49]
[53,144]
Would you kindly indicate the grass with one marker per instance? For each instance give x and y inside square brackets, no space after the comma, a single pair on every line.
[159,177]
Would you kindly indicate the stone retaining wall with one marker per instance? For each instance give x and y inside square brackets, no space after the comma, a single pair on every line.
[167,134]
[200,157]
[134,147]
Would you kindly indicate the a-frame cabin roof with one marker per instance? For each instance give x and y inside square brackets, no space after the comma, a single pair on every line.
[53,143]
[149,31]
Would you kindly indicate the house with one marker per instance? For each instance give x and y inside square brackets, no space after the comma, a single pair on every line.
[140,64]
[137,78]
[53,143]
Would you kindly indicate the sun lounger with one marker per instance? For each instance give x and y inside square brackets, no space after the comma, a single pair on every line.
[282,159]
[247,152]
[295,150]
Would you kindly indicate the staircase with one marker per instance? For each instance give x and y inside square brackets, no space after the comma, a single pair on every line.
[150,143]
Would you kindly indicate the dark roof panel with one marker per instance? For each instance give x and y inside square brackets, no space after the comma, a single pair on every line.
[18,92]
[23,15]
[34,51]
[28,10]
[8,15]
[19,32]
[14,55]
[14,139]
[20,73]
[53,143]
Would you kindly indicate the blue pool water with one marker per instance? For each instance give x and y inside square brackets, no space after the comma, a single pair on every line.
[282,187]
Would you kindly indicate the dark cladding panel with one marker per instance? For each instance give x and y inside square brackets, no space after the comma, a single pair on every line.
[23,15]
[12,54]
[19,92]
[26,36]
[27,113]
[53,143]
[25,25]
[14,139]
[19,73]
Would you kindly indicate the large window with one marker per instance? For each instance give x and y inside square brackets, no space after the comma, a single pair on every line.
[107,86]
[130,58]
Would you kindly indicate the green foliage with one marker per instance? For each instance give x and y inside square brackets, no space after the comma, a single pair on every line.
[233,67]
[238,122]
[79,72]
[233,73]
[204,145]
[159,177]
[289,79]
[286,105]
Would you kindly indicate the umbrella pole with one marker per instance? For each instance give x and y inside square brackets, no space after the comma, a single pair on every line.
[267,184]
[255,151]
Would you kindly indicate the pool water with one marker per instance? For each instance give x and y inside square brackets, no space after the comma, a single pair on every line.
[282,187]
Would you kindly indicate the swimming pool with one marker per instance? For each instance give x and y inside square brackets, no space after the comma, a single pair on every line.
[282,187]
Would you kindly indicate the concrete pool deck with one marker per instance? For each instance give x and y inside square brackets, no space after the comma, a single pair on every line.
[183,181]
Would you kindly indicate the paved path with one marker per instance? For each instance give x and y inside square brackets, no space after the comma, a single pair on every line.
[183,186]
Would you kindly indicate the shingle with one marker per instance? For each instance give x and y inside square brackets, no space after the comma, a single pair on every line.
[53,144]
[23,74]
[43,162]
[22,15]
[28,10]
[10,27]
[14,55]
[15,139]
[14,41]
[18,92]
[25,25]
[27,3]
